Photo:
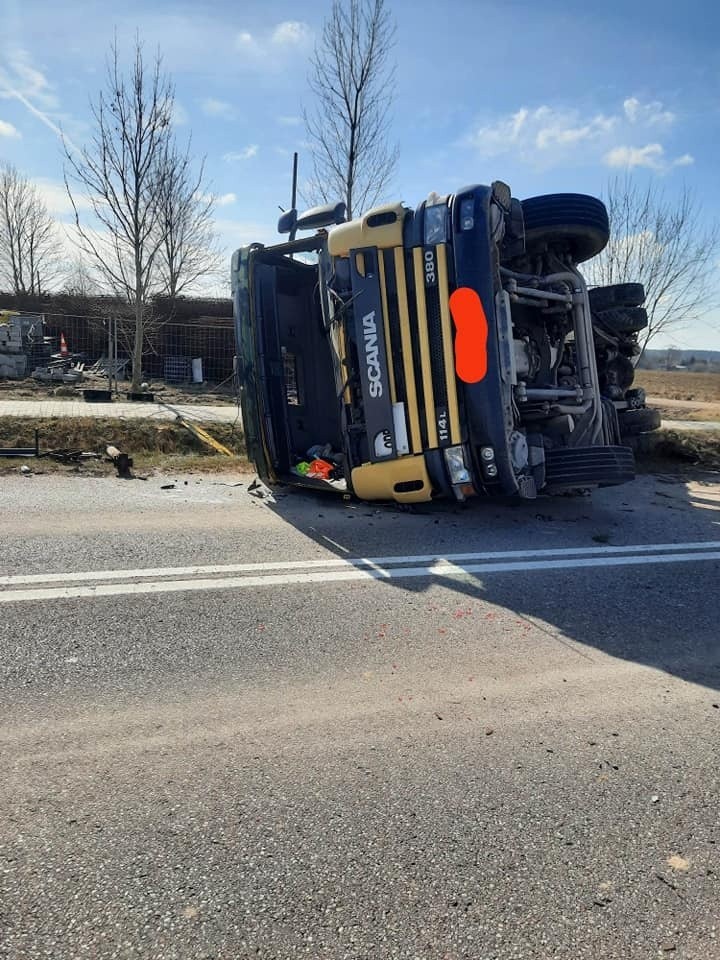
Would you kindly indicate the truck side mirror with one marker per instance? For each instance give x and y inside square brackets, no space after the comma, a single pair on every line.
[288,221]
[325,216]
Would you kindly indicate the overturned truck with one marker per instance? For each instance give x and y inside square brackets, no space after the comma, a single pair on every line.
[454,350]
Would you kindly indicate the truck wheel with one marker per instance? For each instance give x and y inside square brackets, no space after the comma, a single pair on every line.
[635,422]
[567,223]
[622,319]
[618,374]
[617,295]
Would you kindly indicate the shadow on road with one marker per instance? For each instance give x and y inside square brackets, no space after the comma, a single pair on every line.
[626,611]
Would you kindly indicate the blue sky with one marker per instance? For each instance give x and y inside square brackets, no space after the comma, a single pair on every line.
[546,96]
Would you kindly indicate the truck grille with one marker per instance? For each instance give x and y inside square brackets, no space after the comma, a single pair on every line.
[419,338]
[437,361]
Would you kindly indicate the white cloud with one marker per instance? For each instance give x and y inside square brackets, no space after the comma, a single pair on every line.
[246,42]
[9,131]
[220,200]
[247,153]
[289,121]
[21,80]
[558,128]
[547,136]
[216,108]
[18,75]
[526,132]
[291,33]
[271,50]
[650,114]
[651,156]
[238,233]
[180,115]
[56,199]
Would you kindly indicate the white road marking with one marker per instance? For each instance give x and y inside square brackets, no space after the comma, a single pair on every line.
[357,562]
[440,568]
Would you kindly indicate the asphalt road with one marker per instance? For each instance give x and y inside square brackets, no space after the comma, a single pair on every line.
[224,735]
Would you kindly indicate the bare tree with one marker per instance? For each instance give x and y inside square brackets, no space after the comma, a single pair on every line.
[351,77]
[123,173]
[30,256]
[661,243]
[189,248]
[80,283]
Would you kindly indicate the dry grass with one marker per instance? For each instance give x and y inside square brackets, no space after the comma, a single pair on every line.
[166,447]
[691,448]
[680,385]
[29,389]
[153,445]
[132,436]
[144,465]
[703,411]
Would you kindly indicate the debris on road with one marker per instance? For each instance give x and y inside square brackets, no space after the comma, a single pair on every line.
[60,455]
[669,883]
[258,489]
[70,456]
[23,451]
[121,461]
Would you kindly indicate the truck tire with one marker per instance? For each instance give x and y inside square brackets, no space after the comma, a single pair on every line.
[635,422]
[571,223]
[619,373]
[622,319]
[617,295]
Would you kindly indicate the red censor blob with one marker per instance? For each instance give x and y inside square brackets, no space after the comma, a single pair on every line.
[471,335]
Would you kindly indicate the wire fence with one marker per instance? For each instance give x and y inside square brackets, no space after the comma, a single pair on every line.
[183,349]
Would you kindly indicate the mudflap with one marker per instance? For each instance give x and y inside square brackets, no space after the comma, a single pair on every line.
[571,468]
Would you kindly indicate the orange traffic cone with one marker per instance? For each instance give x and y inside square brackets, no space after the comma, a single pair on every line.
[64,352]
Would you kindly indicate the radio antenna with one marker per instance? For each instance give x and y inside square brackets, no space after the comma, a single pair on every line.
[293,201]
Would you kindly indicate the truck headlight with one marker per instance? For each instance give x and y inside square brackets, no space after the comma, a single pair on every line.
[455,462]
[467,213]
[435,224]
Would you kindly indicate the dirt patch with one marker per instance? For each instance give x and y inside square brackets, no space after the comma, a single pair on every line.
[680,385]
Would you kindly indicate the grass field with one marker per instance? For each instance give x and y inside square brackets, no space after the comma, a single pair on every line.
[680,385]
